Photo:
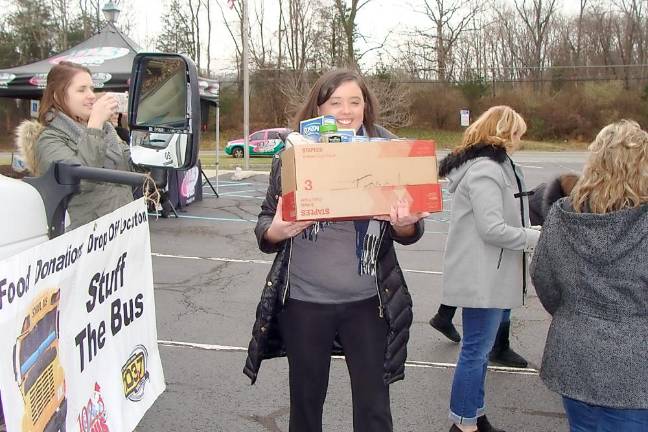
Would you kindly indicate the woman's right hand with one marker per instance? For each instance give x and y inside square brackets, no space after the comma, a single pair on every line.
[102,110]
[281,230]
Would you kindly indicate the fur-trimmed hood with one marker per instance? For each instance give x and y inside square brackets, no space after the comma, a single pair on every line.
[27,134]
[455,160]
[455,165]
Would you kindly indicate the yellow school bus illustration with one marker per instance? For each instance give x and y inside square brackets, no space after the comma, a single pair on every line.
[37,367]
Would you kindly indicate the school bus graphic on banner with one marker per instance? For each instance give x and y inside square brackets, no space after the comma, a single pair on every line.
[37,367]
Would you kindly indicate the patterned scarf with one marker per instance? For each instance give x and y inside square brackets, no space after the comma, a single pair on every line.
[367,242]
[367,237]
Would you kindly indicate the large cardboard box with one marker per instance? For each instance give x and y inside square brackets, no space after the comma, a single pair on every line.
[357,180]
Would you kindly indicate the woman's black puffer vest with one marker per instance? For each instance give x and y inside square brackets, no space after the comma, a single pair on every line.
[394,297]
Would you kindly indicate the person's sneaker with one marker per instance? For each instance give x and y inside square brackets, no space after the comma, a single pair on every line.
[508,357]
[446,328]
[483,425]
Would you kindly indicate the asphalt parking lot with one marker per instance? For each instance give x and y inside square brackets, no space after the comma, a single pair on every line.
[209,273]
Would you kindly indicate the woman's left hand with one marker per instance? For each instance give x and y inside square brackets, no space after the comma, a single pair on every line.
[400,217]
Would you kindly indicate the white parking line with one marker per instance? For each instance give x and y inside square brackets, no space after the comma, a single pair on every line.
[430,272]
[209,218]
[256,261]
[229,195]
[233,260]
[409,363]
[239,192]
[229,184]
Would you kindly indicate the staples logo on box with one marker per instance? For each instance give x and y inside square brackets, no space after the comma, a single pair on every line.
[315,212]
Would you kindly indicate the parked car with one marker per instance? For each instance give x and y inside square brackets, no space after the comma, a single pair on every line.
[266,142]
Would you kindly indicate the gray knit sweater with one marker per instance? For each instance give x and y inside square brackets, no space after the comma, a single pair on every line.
[591,273]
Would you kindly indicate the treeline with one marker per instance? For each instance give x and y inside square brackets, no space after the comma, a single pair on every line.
[568,73]
[574,111]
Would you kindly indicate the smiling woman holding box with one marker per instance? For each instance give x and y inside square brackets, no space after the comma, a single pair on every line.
[335,287]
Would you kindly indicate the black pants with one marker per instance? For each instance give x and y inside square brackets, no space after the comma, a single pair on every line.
[309,330]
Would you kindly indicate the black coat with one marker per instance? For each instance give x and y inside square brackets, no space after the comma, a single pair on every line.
[546,194]
[393,294]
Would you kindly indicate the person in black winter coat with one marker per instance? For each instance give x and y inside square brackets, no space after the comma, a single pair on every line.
[335,287]
[118,123]
[540,201]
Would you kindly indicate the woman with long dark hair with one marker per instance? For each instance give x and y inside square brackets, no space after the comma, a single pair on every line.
[335,287]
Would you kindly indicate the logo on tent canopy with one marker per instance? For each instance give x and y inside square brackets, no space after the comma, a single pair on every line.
[208,87]
[5,79]
[98,79]
[91,56]
[39,80]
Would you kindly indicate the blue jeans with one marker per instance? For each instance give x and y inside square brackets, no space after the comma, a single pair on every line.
[584,417]
[479,332]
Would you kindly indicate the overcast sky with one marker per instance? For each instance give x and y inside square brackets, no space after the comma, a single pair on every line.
[375,21]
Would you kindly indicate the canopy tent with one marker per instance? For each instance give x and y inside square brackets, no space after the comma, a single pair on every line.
[109,55]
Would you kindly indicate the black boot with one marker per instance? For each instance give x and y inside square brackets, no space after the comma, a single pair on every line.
[445,327]
[502,352]
[483,425]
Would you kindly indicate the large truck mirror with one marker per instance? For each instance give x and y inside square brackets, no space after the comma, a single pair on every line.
[164,111]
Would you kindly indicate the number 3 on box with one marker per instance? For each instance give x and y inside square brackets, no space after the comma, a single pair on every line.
[308,185]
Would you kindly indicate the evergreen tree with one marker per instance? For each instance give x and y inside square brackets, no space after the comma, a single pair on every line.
[175,36]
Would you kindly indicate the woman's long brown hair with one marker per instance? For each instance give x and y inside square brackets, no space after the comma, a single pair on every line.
[326,86]
[58,81]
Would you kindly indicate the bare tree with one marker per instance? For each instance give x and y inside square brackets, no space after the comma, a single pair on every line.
[536,15]
[579,31]
[394,99]
[347,15]
[127,19]
[194,10]
[260,47]
[628,35]
[450,19]
[237,38]
[90,16]
[207,5]
[300,33]
[61,15]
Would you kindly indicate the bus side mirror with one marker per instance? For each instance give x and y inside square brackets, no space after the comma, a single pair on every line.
[164,111]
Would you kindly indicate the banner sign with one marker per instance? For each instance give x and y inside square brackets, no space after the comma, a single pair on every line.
[78,342]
